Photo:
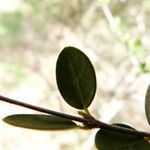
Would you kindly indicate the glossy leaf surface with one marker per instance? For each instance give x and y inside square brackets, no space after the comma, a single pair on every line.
[111,140]
[76,78]
[39,122]
[147,104]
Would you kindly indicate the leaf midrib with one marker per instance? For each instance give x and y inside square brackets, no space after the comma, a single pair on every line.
[76,81]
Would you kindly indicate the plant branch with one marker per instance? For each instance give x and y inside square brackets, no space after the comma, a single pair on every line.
[90,121]
[43,110]
[103,125]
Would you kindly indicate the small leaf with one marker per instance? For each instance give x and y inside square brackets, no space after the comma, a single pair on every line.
[112,140]
[76,78]
[147,104]
[40,122]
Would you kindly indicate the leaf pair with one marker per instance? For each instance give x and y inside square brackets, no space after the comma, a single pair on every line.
[76,81]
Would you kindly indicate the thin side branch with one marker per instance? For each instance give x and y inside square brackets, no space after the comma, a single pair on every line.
[43,110]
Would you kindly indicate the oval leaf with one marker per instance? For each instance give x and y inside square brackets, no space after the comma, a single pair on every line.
[40,122]
[147,104]
[112,140]
[76,78]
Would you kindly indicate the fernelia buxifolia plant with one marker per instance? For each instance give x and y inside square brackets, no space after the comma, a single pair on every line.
[76,82]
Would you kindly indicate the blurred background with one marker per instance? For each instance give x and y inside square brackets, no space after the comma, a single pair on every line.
[116,37]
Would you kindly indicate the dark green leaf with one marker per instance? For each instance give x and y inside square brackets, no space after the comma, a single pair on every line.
[123,126]
[76,78]
[147,104]
[112,140]
[40,122]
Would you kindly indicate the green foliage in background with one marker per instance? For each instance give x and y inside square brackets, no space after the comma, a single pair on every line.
[12,73]
[10,27]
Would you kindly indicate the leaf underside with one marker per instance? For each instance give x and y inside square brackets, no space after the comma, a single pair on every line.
[40,122]
[112,140]
[147,104]
[76,78]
